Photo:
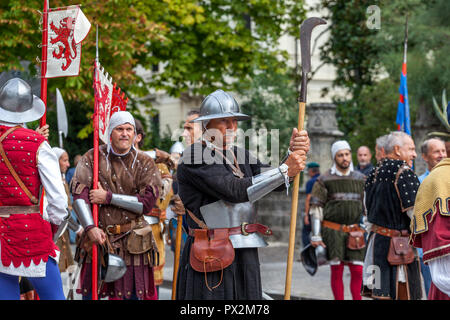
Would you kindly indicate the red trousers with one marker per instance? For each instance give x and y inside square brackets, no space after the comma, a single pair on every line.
[337,283]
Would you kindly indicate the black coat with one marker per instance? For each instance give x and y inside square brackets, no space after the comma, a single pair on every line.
[199,184]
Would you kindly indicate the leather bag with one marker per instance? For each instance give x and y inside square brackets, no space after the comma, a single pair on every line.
[355,240]
[400,251]
[141,240]
[211,254]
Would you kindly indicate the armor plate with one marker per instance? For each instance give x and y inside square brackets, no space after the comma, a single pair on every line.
[83,212]
[222,214]
[127,202]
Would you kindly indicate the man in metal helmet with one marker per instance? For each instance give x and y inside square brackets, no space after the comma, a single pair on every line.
[218,184]
[28,164]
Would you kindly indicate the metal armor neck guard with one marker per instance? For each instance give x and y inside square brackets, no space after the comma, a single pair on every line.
[222,214]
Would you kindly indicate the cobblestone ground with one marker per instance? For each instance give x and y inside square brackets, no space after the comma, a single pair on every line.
[273,275]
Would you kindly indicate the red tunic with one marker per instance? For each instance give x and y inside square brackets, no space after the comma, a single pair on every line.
[23,237]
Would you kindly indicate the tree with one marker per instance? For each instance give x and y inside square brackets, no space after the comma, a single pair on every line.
[198,45]
[369,62]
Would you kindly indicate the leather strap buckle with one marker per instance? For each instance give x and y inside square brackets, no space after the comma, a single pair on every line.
[115,229]
[243,225]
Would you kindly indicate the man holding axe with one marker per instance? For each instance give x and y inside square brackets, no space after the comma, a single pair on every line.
[218,184]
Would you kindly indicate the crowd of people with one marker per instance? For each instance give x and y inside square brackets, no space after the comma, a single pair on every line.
[378,220]
[366,217]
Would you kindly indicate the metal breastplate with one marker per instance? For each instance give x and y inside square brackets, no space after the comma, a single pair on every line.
[222,214]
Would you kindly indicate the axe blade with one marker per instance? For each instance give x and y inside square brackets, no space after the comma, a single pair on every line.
[61,113]
[305,41]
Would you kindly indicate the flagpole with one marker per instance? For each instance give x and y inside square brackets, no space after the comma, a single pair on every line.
[403,118]
[95,178]
[405,45]
[404,71]
[43,120]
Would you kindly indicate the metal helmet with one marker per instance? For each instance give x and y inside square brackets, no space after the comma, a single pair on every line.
[18,104]
[321,255]
[313,258]
[220,104]
[177,147]
[115,267]
[309,259]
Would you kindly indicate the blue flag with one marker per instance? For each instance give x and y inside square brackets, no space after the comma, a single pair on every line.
[403,119]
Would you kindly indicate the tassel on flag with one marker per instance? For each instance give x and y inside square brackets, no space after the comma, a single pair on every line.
[67,27]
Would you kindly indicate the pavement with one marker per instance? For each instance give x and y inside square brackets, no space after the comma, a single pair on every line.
[273,276]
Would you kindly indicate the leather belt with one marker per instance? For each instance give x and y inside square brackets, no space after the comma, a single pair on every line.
[345,196]
[7,210]
[244,229]
[341,227]
[390,232]
[114,229]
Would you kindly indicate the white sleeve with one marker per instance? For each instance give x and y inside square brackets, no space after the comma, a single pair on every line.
[440,273]
[50,174]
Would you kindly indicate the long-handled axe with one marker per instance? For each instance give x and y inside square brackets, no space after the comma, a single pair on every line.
[305,44]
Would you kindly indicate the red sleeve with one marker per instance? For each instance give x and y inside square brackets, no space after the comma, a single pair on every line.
[149,198]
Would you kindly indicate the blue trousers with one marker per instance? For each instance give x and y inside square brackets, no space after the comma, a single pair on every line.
[306,232]
[48,287]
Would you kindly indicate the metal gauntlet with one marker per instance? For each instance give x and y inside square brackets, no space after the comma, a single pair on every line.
[83,212]
[265,182]
[316,224]
[130,203]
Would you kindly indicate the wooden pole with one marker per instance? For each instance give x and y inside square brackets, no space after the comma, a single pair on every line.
[43,120]
[95,180]
[294,206]
[177,255]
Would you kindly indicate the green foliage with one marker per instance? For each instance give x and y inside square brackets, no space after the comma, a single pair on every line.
[378,115]
[353,51]
[271,100]
[198,45]
[369,62]
[441,111]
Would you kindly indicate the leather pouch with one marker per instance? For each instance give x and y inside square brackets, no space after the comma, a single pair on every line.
[355,240]
[400,251]
[140,240]
[211,254]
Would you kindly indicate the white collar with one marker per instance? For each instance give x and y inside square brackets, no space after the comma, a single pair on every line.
[335,171]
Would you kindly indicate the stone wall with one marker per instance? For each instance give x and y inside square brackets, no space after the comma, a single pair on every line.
[274,210]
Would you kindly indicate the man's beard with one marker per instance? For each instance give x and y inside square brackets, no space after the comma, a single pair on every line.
[344,165]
